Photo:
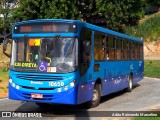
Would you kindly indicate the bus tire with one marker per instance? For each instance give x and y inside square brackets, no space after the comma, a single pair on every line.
[96,96]
[130,84]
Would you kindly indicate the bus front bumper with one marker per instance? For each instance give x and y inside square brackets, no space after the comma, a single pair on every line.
[66,97]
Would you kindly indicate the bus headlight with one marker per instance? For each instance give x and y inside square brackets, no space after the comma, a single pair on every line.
[13,84]
[17,87]
[72,84]
[10,80]
[66,88]
[58,89]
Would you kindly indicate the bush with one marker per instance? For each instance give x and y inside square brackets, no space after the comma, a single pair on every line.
[4,69]
[148,30]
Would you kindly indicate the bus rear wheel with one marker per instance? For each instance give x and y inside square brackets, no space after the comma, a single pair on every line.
[130,84]
[96,96]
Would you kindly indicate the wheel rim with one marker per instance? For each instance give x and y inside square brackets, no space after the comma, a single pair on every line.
[95,95]
[130,83]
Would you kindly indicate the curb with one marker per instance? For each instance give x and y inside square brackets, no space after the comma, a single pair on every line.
[151,108]
[152,78]
[3,98]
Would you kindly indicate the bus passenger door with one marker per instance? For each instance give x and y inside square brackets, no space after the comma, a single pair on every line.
[86,68]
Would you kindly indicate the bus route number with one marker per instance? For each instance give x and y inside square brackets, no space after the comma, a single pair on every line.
[56,84]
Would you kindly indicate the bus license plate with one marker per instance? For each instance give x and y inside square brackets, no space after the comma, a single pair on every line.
[37,95]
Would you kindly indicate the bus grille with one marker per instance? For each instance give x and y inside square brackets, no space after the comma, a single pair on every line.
[39,77]
[32,88]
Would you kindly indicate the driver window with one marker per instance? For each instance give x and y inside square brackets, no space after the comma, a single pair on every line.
[20,49]
[85,49]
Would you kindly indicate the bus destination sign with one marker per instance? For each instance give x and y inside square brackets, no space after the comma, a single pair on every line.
[44,27]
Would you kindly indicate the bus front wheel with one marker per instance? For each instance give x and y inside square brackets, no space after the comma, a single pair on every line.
[96,96]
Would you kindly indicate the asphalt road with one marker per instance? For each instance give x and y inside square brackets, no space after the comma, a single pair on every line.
[144,97]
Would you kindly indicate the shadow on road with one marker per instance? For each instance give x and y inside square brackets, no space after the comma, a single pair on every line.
[58,110]
[55,110]
[116,94]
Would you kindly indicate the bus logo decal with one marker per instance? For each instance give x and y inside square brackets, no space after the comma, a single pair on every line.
[42,66]
[117,81]
[36,82]
[131,67]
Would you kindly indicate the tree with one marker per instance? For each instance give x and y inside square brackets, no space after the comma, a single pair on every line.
[120,12]
[39,9]
[153,3]
[113,14]
[6,7]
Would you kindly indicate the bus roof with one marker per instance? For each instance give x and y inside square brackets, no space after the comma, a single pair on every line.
[87,25]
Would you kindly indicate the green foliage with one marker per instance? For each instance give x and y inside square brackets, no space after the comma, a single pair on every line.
[151,68]
[1,24]
[3,76]
[2,87]
[120,12]
[4,70]
[147,118]
[148,30]
[5,10]
[152,2]
[116,13]
[40,9]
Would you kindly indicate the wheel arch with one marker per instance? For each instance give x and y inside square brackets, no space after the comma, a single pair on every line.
[131,75]
[99,81]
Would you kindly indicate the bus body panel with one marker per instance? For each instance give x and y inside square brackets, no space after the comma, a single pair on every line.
[114,75]
[37,86]
[68,97]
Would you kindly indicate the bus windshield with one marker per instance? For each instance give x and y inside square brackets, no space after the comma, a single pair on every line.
[58,55]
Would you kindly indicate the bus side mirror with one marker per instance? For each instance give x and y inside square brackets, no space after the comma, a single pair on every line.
[5,43]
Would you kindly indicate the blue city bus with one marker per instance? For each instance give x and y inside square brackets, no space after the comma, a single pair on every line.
[70,62]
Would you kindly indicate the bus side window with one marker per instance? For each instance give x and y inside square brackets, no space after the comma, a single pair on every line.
[107,54]
[99,46]
[119,49]
[125,49]
[111,47]
[141,51]
[98,54]
[86,51]
[111,54]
